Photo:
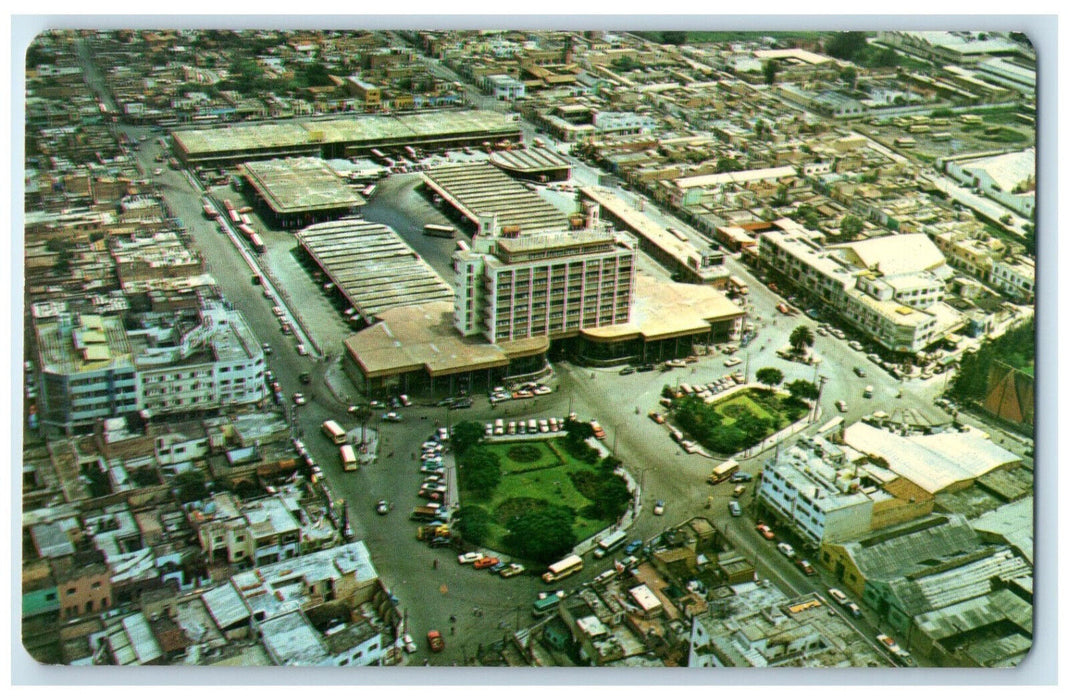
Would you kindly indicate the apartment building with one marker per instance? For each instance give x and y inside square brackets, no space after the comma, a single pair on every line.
[890,288]
[87,369]
[198,364]
[546,284]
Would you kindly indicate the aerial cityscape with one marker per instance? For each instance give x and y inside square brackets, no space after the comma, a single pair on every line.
[529,348]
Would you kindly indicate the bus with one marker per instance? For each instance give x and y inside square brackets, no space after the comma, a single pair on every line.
[545,604]
[610,544]
[411,153]
[210,212]
[723,472]
[348,458]
[334,431]
[257,243]
[439,231]
[565,567]
[737,284]
[234,216]
[246,230]
[379,154]
[369,190]
[245,219]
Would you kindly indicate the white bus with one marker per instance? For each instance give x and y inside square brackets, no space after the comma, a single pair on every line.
[369,190]
[565,567]
[348,458]
[334,431]
[610,544]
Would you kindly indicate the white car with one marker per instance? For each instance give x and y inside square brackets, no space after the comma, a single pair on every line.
[299,399]
[469,557]
[301,349]
[409,645]
[658,509]
[542,391]
[732,361]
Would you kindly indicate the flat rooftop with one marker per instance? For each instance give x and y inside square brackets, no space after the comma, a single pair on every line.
[372,266]
[480,189]
[371,130]
[423,337]
[292,185]
[669,310]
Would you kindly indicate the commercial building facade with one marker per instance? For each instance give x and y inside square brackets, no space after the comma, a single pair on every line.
[553,284]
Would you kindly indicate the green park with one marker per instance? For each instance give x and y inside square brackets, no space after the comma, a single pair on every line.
[535,498]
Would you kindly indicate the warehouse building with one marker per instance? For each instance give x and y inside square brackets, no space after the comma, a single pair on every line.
[371,266]
[294,192]
[478,190]
[341,137]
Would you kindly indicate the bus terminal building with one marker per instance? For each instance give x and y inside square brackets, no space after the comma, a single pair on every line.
[341,137]
[418,349]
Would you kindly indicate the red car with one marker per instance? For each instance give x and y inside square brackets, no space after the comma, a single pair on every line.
[435,640]
[765,531]
[487,562]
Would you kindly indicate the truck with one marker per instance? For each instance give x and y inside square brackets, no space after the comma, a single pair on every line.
[426,533]
[424,513]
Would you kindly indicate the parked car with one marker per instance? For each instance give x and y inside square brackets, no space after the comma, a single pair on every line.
[656,417]
[741,477]
[765,531]
[859,371]
[632,547]
[732,361]
[408,645]
[512,570]
[627,370]
[469,557]
[838,596]
[298,398]
[435,640]
[786,549]
[734,508]
[382,507]
[806,567]
[658,509]
[487,562]
[392,417]
[739,490]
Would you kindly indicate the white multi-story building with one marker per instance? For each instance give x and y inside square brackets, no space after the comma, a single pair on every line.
[1017,277]
[811,486]
[891,288]
[184,368]
[544,284]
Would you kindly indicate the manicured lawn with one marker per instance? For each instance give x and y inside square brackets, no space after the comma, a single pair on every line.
[741,399]
[525,485]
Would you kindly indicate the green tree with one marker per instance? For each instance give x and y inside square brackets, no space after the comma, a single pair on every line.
[467,434]
[850,226]
[728,165]
[803,389]
[191,486]
[480,471]
[752,425]
[612,497]
[769,376]
[848,76]
[543,534]
[609,463]
[675,38]
[801,338]
[770,69]
[473,522]
[807,215]
[578,430]
[846,45]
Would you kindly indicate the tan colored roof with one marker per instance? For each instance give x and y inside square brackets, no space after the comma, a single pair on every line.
[411,338]
[668,310]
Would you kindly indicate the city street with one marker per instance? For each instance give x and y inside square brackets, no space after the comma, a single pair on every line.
[430,585]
